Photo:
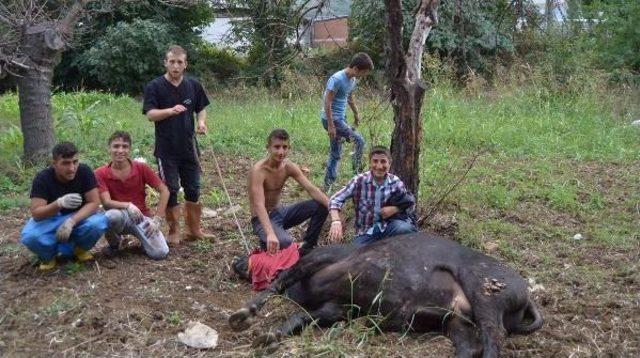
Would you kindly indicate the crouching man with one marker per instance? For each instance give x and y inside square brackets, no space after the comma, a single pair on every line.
[64,201]
[382,203]
[122,185]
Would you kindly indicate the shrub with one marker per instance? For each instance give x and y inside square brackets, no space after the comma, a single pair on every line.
[222,64]
[128,55]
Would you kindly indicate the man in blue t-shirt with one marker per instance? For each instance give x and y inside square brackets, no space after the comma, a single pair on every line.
[64,201]
[171,102]
[338,93]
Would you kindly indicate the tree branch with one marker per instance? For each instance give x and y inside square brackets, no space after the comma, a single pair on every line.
[426,18]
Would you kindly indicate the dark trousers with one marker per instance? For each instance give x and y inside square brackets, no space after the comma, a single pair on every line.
[177,172]
[283,218]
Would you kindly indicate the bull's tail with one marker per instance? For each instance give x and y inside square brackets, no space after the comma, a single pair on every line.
[531,310]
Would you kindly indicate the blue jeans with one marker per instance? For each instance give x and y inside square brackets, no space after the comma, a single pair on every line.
[121,224]
[394,227]
[283,218]
[40,236]
[343,132]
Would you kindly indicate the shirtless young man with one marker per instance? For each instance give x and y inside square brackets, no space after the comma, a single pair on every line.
[266,180]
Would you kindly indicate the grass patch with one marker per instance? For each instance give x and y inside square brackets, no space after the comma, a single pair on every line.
[535,142]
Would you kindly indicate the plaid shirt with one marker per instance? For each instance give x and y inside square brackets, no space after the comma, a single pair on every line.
[368,197]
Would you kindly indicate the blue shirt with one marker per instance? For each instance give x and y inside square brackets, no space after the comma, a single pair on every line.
[341,86]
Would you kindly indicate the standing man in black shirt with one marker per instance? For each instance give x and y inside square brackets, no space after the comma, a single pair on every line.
[171,101]
[64,201]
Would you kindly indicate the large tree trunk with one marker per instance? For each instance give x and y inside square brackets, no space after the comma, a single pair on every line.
[407,133]
[34,90]
[43,45]
[407,88]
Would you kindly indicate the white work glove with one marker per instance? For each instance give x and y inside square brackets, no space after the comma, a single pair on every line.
[69,201]
[152,227]
[134,213]
[64,231]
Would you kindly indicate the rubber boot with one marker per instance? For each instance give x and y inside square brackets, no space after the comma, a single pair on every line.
[192,216]
[82,255]
[173,220]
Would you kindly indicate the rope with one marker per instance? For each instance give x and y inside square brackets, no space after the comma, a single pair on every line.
[235,218]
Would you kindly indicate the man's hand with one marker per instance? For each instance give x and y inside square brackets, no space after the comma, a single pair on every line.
[64,231]
[273,245]
[335,232]
[177,109]
[69,201]
[388,211]
[134,213]
[331,129]
[202,127]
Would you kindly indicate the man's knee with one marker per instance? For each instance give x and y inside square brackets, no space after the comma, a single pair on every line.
[192,194]
[158,252]
[399,227]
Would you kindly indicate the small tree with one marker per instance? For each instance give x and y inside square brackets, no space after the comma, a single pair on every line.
[403,69]
[271,30]
[34,35]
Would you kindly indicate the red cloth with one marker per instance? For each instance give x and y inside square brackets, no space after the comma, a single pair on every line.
[265,267]
[131,189]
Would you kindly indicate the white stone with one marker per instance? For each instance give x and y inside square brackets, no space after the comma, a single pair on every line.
[578,237]
[198,335]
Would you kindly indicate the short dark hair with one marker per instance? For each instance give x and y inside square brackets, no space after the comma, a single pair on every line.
[379,149]
[176,50]
[362,61]
[278,133]
[124,135]
[64,150]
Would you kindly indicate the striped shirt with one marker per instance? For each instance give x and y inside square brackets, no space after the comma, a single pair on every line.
[368,197]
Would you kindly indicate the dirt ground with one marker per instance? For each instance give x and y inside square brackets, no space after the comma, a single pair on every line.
[129,305]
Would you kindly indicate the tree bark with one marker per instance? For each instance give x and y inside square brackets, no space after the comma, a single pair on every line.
[407,88]
[43,46]
[34,91]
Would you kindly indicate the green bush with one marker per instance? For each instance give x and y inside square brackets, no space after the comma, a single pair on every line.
[128,55]
[221,64]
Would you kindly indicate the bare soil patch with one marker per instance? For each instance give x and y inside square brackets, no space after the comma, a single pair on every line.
[129,305]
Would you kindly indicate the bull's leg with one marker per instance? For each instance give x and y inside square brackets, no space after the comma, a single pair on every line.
[326,315]
[307,266]
[464,337]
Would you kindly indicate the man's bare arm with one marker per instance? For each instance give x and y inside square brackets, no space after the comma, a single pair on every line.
[92,202]
[202,122]
[331,128]
[296,173]
[163,201]
[109,203]
[356,114]
[258,208]
[41,210]
[157,115]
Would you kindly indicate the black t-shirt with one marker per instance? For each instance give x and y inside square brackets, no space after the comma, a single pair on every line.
[47,187]
[175,135]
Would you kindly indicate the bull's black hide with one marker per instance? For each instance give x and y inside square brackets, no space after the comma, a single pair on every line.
[419,282]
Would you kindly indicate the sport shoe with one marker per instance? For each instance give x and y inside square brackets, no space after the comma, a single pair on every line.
[82,255]
[47,265]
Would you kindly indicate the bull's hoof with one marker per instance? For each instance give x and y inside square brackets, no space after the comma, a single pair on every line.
[269,341]
[240,320]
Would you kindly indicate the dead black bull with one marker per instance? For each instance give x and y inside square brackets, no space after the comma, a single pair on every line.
[417,282]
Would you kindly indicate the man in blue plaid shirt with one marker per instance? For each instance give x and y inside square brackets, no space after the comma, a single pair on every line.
[381,201]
